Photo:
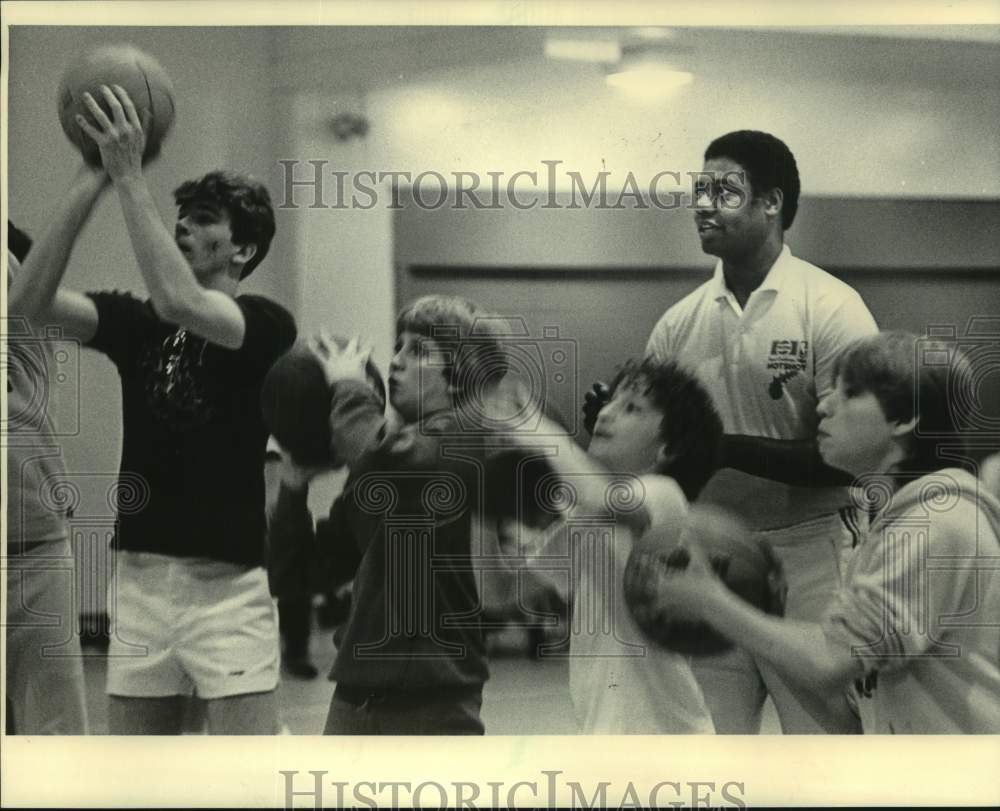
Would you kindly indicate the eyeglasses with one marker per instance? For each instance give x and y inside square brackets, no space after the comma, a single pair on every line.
[729,191]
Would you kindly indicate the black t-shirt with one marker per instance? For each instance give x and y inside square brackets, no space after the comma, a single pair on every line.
[192,470]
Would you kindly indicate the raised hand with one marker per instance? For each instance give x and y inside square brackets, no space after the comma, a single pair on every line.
[341,363]
[122,138]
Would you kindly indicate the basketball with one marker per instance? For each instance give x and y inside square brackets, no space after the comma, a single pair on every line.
[295,401]
[145,81]
[744,563]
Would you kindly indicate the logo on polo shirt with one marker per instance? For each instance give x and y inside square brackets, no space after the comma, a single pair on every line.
[787,358]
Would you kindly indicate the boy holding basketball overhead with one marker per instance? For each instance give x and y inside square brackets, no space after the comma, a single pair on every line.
[190,586]
[654,447]
[412,659]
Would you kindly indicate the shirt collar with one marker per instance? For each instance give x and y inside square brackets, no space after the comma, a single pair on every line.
[772,281]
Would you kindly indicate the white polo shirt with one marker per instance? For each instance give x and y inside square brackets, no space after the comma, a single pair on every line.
[766,367]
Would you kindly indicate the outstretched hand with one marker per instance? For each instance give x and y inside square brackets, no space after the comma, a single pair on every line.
[347,363]
[121,138]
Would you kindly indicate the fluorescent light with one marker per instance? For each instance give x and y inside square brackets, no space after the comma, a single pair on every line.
[649,81]
[583,50]
[654,34]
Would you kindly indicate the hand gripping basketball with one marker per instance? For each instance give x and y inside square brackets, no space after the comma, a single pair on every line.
[121,139]
[295,399]
[668,571]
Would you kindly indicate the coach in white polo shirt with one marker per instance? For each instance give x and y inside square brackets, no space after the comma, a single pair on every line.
[762,335]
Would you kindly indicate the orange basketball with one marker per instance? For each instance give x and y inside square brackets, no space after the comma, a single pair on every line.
[295,402]
[745,564]
[142,77]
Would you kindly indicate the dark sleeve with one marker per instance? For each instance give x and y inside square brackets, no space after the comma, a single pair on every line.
[270,331]
[339,551]
[290,520]
[791,461]
[121,320]
[358,426]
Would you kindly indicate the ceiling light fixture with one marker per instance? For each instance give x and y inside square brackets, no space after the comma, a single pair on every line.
[583,50]
[647,75]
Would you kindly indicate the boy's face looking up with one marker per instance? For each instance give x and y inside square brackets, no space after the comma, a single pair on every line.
[627,434]
[204,235]
[417,385]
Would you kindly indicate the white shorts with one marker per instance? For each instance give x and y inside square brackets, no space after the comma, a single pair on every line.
[190,626]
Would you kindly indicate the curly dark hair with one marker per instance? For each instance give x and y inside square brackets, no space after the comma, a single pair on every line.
[769,165]
[691,427]
[244,199]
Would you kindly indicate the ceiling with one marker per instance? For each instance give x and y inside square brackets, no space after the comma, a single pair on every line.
[364,57]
